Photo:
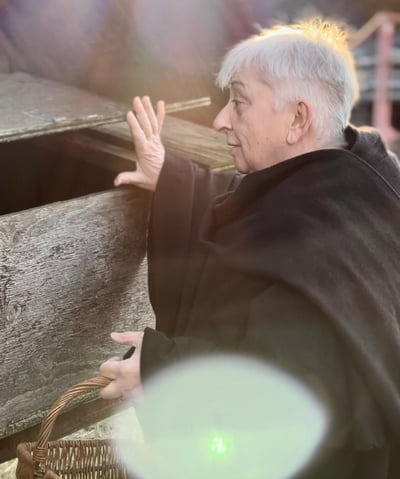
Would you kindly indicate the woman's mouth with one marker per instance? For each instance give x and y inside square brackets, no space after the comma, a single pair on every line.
[233,146]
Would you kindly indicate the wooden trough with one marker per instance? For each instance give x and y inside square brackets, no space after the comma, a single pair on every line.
[72,248]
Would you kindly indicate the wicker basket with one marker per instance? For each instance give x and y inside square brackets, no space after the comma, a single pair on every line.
[80,459]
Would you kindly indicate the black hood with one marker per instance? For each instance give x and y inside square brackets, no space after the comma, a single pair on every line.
[366,143]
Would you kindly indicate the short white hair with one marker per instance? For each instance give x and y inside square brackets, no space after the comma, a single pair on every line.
[310,60]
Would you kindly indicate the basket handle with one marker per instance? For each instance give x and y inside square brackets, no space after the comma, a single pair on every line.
[40,451]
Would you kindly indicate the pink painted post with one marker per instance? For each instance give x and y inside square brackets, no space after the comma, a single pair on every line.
[382,104]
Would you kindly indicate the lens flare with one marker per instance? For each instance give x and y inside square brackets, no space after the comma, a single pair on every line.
[222,417]
[218,444]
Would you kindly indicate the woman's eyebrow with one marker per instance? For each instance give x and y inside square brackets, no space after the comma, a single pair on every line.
[238,84]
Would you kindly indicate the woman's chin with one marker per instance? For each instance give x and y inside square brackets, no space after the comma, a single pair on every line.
[241,165]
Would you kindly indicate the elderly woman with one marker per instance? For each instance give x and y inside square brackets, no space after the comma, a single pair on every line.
[296,261]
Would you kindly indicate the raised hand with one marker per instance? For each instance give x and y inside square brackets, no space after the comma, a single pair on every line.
[145,125]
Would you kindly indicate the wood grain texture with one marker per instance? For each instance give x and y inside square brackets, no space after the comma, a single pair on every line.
[93,150]
[197,143]
[194,142]
[110,146]
[34,106]
[70,273]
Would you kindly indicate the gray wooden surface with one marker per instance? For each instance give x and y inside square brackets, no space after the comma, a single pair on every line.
[194,142]
[70,273]
[33,106]
[111,147]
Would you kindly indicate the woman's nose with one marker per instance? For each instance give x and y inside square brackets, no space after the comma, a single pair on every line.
[221,121]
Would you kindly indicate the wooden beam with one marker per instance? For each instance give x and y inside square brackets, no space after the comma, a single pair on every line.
[188,104]
[194,142]
[70,273]
[111,146]
[93,150]
[34,106]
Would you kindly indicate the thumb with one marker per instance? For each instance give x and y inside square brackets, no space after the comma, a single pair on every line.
[127,337]
[136,178]
[127,178]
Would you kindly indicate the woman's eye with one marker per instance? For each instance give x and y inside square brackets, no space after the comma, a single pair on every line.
[236,103]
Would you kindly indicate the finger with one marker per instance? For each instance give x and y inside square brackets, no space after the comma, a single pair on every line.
[110,369]
[138,135]
[112,391]
[160,114]
[128,178]
[151,115]
[115,358]
[142,117]
[135,178]
[127,337]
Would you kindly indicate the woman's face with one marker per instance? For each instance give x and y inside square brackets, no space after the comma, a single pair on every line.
[256,130]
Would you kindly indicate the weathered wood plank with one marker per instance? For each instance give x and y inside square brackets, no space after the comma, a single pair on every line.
[194,142]
[70,273]
[110,146]
[33,106]
[95,151]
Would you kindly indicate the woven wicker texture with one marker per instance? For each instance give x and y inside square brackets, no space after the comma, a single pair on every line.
[85,459]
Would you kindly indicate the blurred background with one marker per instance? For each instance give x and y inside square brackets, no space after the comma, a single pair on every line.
[171,49]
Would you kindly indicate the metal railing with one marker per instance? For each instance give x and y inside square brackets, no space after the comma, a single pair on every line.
[379,69]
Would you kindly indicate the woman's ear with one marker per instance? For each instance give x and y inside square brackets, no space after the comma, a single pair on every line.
[301,122]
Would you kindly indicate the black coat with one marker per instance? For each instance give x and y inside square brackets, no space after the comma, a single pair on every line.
[298,263]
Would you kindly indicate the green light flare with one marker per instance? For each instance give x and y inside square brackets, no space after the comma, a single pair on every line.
[218,445]
[198,423]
